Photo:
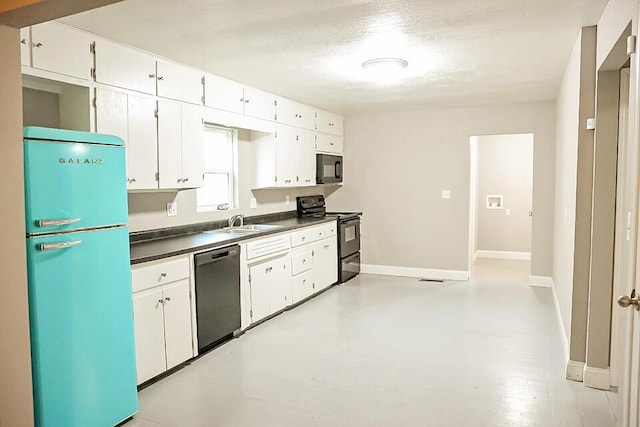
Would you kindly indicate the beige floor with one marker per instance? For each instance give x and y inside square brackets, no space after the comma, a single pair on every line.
[391,351]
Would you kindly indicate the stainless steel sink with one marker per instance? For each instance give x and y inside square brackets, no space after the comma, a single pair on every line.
[245,229]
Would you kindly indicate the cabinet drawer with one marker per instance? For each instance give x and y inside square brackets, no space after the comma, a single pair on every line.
[331,229]
[268,246]
[301,262]
[318,233]
[149,275]
[301,237]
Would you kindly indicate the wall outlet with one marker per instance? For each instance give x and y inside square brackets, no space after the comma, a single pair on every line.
[446,194]
[253,203]
[507,212]
[172,208]
[286,200]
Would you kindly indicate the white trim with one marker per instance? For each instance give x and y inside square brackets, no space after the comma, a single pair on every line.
[426,273]
[556,304]
[597,378]
[503,254]
[575,371]
[541,282]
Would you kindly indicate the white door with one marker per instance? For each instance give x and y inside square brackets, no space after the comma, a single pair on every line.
[286,154]
[306,158]
[149,334]
[223,94]
[25,44]
[124,67]
[259,279]
[142,144]
[258,103]
[192,146]
[279,285]
[60,49]
[177,323]
[179,82]
[169,144]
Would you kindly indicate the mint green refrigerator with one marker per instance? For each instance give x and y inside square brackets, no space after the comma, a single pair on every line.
[79,278]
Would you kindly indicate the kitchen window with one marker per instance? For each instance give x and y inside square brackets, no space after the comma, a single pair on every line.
[220,165]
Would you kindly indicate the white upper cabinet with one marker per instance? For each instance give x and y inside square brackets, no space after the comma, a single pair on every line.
[286,156]
[295,113]
[329,123]
[192,146]
[306,158]
[259,104]
[120,66]
[25,44]
[331,144]
[223,94]
[61,49]
[180,145]
[179,82]
[142,144]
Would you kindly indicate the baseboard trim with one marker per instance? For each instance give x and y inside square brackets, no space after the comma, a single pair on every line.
[503,255]
[556,304]
[575,370]
[597,378]
[426,273]
[541,281]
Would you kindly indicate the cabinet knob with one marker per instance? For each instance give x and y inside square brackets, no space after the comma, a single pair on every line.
[160,77]
[152,76]
[37,45]
[179,180]
[23,41]
[132,180]
[163,274]
[246,101]
[185,180]
[161,301]
[167,299]
[241,99]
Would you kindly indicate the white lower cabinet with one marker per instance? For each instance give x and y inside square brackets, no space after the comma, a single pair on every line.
[162,316]
[270,284]
[325,263]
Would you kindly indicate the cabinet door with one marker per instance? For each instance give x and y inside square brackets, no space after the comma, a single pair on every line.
[223,94]
[286,155]
[326,143]
[302,286]
[306,116]
[330,123]
[287,112]
[111,113]
[192,146]
[177,323]
[142,144]
[61,49]
[169,144]
[149,333]
[279,285]
[325,263]
[259,279]
[25,44]
[179,82]
[125,67]
[258,103]
[306,158]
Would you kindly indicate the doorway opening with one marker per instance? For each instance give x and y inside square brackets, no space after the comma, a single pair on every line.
[501,196]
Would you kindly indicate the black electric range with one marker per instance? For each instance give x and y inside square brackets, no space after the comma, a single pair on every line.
[348,233]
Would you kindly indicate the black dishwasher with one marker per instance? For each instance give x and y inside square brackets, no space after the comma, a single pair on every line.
[217,295]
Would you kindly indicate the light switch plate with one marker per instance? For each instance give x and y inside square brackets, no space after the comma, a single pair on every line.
[172,208]
[446,194]
[286,199]
[507,212]
[253,203]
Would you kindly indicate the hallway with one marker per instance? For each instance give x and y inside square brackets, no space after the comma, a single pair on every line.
[391,351]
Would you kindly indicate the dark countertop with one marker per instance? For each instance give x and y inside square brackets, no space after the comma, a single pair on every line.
[164,247]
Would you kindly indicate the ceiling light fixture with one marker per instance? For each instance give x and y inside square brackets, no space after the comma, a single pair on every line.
[385,70]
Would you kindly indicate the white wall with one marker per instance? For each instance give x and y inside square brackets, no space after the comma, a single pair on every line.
[396,165]
[505,167]
[565,186]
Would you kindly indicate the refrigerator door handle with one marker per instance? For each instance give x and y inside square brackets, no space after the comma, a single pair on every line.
[60,245]
[54,222]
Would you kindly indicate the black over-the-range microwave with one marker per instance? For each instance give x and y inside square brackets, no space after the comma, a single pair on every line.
[328,169]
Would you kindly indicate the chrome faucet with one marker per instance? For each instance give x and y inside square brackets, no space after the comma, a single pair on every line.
[232,220]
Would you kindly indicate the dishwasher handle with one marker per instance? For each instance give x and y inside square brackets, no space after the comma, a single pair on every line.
[217,255]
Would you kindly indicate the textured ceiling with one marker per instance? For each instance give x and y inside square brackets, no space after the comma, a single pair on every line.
[460,52]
